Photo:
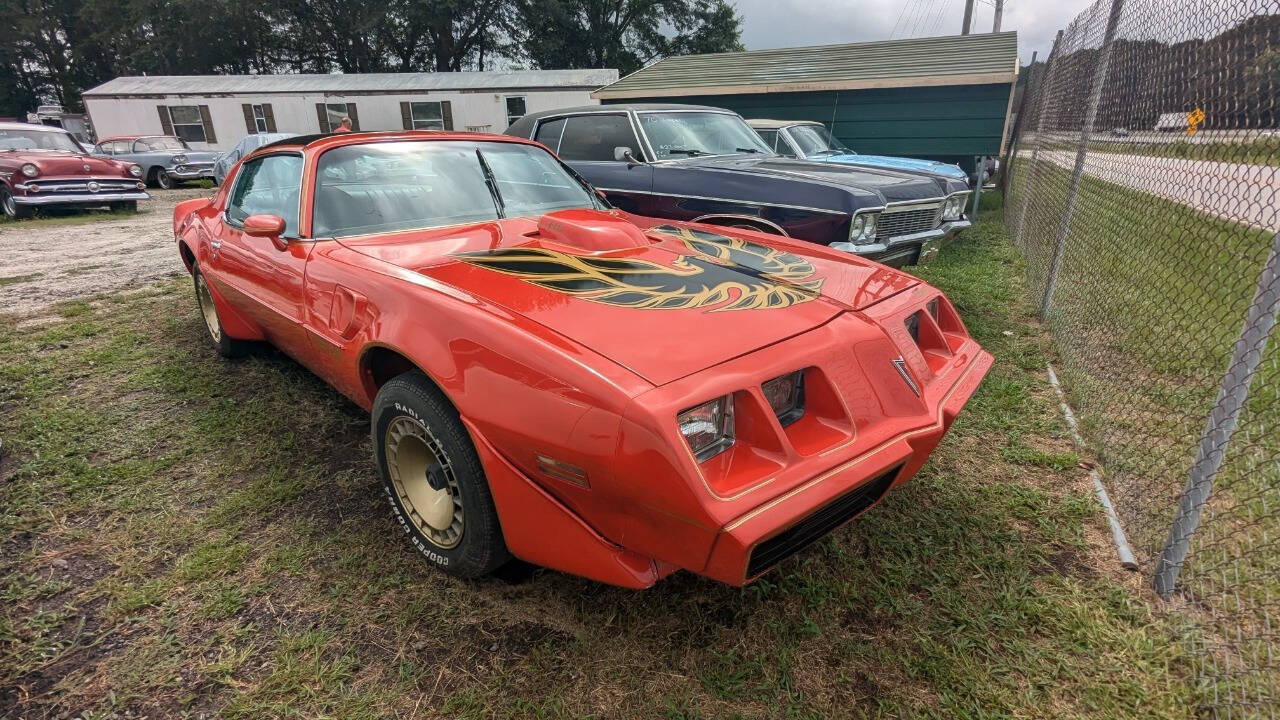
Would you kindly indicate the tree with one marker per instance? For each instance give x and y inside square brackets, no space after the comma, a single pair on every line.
[622,34]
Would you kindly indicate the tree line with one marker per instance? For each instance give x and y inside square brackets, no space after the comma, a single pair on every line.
[55,49]
[1233,76]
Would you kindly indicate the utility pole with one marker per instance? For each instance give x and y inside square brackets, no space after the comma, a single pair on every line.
[995,24]
[968,17]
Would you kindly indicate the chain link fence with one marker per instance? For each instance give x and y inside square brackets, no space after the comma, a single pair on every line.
[1143,185]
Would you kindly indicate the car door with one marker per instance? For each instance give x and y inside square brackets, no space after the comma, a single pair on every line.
[587,143]
[262,277]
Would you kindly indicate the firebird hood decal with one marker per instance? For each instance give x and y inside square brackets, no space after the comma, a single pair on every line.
[723,273]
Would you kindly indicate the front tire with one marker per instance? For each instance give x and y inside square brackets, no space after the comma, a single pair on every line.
[227,347]
[12,209]
[434,480]
[165,180]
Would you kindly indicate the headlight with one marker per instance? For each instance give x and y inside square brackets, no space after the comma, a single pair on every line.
[786,396]
[863,228]
[954,207]
[708,428]
[135,170]
[30,170]
[179,158]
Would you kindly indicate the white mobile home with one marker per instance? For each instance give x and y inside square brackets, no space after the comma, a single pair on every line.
[214,111]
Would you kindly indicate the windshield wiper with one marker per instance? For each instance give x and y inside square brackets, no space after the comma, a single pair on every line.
[753,151]
[492,182]
[690,153]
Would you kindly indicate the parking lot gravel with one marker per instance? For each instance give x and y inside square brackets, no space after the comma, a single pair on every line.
[72,257]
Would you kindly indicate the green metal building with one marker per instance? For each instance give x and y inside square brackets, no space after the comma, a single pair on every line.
[941,98]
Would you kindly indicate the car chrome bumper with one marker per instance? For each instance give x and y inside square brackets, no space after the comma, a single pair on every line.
[190,173]
[80,198]
[898,251]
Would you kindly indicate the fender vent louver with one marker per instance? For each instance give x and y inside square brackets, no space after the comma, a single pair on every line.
[816,526]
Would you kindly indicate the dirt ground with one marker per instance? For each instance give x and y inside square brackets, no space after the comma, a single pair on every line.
[47,261]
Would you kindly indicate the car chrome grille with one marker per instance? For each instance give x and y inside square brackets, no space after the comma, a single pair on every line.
[82,186]
[816,526]
[907,222]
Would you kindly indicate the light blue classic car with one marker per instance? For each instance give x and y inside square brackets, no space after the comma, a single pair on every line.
[247,144]
[810,140]
[166,161]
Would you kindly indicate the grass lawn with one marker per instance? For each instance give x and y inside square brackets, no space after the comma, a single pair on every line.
[1149,302]
[181,535]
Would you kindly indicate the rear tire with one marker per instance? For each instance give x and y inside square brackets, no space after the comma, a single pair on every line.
[12,209]
[227,347]
[433,478]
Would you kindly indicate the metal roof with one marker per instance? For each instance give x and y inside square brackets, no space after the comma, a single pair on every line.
[949,60]
[364,83]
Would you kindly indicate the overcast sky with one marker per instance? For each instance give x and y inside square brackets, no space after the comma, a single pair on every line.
[789,23]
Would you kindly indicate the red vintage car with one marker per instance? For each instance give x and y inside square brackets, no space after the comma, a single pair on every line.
[552,379]
[42,166]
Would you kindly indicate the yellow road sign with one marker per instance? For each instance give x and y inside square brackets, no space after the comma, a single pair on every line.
[1194,118]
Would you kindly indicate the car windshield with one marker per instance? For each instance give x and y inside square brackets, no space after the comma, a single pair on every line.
[158,143]
[381,187]
[816,140]
[691,134]
[38,140]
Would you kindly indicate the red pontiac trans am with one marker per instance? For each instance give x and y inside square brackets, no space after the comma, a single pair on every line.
[549,378]
[44,166]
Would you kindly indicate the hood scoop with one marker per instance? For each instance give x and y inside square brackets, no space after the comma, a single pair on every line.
[590,231]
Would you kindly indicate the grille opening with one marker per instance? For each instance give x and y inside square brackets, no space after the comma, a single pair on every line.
[816,526]
[906,222]
[913,326]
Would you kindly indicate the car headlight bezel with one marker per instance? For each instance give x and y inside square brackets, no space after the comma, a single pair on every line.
[708,428]
[30,170]
[179,159]
[785,395]
[862,228]
[135,170]
[953,208]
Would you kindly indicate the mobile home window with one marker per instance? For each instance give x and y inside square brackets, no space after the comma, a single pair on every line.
[427,115]
[187,124]
[335,112]
[515,108]
[260,118]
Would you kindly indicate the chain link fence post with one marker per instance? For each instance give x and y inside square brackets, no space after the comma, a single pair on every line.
[1086,131]
[1221,425]
[1040,103]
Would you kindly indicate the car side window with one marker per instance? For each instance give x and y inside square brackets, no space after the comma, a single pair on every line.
[593,137]
[549,133]
[268,185]
[782,147]
[770,138]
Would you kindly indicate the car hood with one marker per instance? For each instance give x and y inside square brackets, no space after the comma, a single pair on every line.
[70,164]
[891,185]
[662,299]
[896,163]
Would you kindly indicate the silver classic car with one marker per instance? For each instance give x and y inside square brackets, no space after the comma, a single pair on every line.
[166,161]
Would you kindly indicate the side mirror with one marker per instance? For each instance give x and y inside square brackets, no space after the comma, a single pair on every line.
[622,153]
[266,226]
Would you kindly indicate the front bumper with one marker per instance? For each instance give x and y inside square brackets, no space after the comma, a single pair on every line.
[753,543]
[910,249]
[85,198]
[190,172]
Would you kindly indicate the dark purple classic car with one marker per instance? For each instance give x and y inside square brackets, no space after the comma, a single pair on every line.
[704,164]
